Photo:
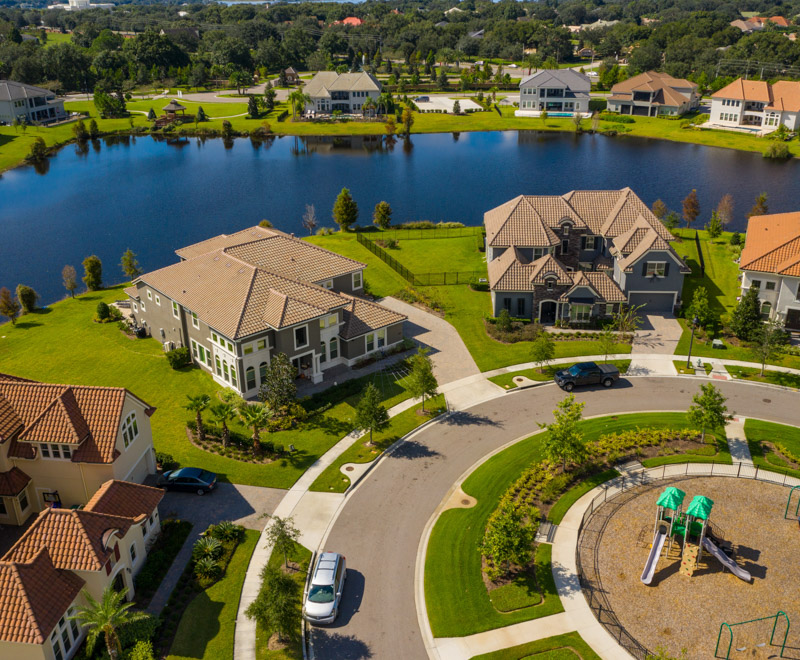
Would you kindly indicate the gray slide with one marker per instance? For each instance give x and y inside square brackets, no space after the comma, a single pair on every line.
[655,553]
[726,561]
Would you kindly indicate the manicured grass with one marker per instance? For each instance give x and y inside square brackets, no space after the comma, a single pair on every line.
[774,377]
[507,380]
[560,647]
[160,558]
[681,368]
[524,590]
[207,626]
[333,481]
[455,595]
[434,255]
[560,508]
[302,556]
[757,431]
[99,354]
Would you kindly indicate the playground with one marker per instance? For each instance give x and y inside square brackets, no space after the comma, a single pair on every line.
[676,559]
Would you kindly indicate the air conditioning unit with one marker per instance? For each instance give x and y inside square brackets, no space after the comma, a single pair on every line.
[169,346]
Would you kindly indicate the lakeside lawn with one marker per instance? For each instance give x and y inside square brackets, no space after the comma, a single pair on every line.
[422,256]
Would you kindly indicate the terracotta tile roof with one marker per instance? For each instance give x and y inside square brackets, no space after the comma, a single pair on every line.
[75,540]
[362,316]
[13,482]
[602,285]
[772,244]
[745,90]
[123,498]
[226,240]
[61,421]
[33,597]
[638,240]
[652,81]
[785,96]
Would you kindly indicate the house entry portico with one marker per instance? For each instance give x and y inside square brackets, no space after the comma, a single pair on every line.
[307,366]
[548,310]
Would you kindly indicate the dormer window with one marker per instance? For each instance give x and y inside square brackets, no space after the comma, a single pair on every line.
[565,229]
[550,283]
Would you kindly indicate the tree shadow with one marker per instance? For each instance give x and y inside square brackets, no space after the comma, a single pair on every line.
[411,449]
[341,647]
[567,582]
[328,424]
[27,325]
[465,418]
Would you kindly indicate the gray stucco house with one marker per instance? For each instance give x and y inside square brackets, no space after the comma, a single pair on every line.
[579,256]
[238,299]
[554,90]
[34,105]
[347,92]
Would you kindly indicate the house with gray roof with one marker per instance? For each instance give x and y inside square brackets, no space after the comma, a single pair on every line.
[579,256]
[236,300]
[347,92]
[555,91]
[33,105]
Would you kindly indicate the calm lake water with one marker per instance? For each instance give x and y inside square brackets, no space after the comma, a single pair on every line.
[154,197]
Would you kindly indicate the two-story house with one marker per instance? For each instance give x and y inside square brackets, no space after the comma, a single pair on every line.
[579,256]
[238,299]
[558,91]
[64,552]
[59,443]
[33,105]
[757,105]
[651,94]
[770,262]
[347,92]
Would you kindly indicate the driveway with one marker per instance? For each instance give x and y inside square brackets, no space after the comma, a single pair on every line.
[451,359]
[659,333]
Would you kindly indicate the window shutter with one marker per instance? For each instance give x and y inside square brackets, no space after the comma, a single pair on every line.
[583,242]
[116,552]
[108,568]
[666,269]
[644,268]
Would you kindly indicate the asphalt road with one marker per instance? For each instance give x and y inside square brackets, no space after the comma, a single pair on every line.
[381,525]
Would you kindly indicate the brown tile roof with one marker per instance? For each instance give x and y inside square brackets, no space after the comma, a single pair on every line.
[745,90]
[546,267]
[33,597]
[603,286]
[520,221]
[785,96]
[362,316]
[772,244]
[225,240]
[13,482]
[637,241]
[123,498]
[75,540]
[653,81]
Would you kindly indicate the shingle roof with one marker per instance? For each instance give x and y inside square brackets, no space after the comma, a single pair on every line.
[653,81]
[570,78]
[772,244]
[11,90]
[785,96]
[123,498]
[13,482]
[33,596]
[75,539]
[326,81]
[362,316]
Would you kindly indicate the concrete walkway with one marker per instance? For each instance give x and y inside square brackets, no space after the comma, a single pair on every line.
[737,442]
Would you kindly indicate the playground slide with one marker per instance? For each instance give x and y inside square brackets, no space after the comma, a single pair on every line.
[655,553]
[726,561]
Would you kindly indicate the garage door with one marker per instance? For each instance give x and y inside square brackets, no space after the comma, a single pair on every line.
[653,302]
[139,473]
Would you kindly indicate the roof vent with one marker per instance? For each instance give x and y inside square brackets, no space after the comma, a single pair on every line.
[241,270]
[228,265]
[292,234]
[216,258]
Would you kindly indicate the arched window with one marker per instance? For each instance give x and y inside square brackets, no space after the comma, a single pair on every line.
[766,310]
[219,367]
[333,348]
[234,380]
[262,371]
[250,377]
[225,371]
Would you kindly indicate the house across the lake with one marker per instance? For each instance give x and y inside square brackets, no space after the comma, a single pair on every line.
[651,94]
[756,105]
[346,92]
[556,91]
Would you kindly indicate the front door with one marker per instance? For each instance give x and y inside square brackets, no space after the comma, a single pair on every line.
[548,312]
[793,319]
[119,583]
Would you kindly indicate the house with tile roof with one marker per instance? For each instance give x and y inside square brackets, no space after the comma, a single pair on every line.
[770,262]
[59,443]
[652,93]
[554,90]
[579,256]
[65,552]
[347,92]
[34,105]
[238,299]
[756,104]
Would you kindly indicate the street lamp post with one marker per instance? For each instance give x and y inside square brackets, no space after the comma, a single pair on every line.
[695,321]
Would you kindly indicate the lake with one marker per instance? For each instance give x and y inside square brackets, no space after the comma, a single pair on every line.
[154,197]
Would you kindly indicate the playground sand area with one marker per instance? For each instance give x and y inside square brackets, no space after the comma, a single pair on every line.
[679,612]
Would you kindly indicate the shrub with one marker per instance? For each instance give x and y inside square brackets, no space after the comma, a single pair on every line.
[736,238]
[619,119]
[207,569]
[166,461]
[139,631]
[227,531]
[279,449]
[206,547]
[778,151]
[283,115]
[479,286]
[143,650]
[179,357]
[27,298]
[102,311]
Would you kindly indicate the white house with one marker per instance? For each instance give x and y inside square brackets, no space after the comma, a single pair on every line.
[770,262]
[347,92]
[554,90]
[33,105]
[756,104]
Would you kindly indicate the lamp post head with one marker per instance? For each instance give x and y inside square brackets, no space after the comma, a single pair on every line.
[695,320]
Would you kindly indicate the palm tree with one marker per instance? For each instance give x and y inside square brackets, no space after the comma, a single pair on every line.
[533,61]
[197,404]
[369,105]
[384,101]
[255,416]
[224,413]
[105,618]
[297,98]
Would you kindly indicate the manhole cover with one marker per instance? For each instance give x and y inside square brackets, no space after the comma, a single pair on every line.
[464,502]
[349,468]
[767,400]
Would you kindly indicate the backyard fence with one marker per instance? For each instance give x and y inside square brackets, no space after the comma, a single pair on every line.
[418,234]
[700,254]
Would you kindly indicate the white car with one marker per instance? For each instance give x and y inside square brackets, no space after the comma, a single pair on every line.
[321,601]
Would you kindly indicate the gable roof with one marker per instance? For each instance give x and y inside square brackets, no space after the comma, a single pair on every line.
[124,498]
[653,81]
[600,283]
[325,82]
[568,78]
[640,239]
[12,91]
[772,244]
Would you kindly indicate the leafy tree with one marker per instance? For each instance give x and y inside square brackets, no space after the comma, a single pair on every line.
[198,404]
[421,381]
[441,81]
[768,341]
[504,321]
[9,306]
[345,210]
[691,208]
[310,218]
[278,389]
[607,342]
[269,98]
[543,350]
[102,311]
[70,279]
[760,207]
[38,151]
[746,316]
[563,441]
[725,210]
[93,273]
[407,119]
[255,416]
[151,115]
[700,308]
[282,535]
[370,414]
[382,215]
[714,226]
[659,209]
[27,298]
[105,618]
[109,105]
[543,117]
[736,238]
[708,409]
[222,414]
[672,220]
[252,107]
[227,130]
[265,223]
[129,264]
[507,538]
[277,606]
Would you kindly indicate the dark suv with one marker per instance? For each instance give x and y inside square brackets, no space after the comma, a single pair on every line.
[586,373]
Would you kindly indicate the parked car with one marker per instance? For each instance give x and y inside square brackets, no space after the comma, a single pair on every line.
[586,373]
[190,479]
[321,601]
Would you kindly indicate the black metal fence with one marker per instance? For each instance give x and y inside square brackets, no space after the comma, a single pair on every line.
[700,257]
[417,234]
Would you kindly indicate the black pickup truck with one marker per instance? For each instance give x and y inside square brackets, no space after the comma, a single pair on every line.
[586,373]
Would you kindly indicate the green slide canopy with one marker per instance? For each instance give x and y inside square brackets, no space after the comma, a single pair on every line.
[672,498]
[700,507]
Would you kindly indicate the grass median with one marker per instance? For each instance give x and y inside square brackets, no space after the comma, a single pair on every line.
[762,438]
[507,380]
[770,376]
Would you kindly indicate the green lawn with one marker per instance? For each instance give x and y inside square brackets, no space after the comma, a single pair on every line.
[560,508]
[507,380]
[333,481]
[455,595]
[569,646]
[757,431]
[524,590]
[434,255]
[680,366]
[207,625]
[99,354]
[774,377]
